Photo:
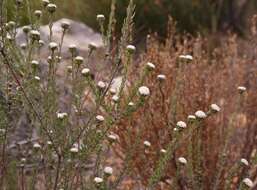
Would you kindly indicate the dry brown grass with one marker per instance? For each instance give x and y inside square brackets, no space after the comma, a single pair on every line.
[212,77]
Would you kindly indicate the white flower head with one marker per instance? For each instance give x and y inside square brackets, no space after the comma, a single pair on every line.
[41,43]
[49,143]
[36,146]
[191,117]
[200,114]
[79,60]
[98,180]
[69,68]
[23,46]
[85,71]
[131,48]
[38,13]
[144,91]
[186,57]
[2,131]
[53,46]
[150,66]
[147,143]
[62,115]
[37,78]
[181,124]
[23,160]
[131,104]
[112,137]
[108,170]
[241,89]
[248,182]
[92,46]
[113,91]
[101,85]
[100,18]
[115,98]
[45,2]
[163,151]
[244,161]
[65,25]
[182,160]
[74,150]
[161,77]
[26,29]
[51,7]
[215,108]
[35,35]
[100,118]
[34,63]
[175,129]
[72,48]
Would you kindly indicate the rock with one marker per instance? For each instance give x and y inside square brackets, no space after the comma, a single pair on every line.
[79,34]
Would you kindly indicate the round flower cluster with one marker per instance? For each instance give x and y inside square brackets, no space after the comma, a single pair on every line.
[200,114]
[144,91]
[181,124]
[182,160]
[100,118]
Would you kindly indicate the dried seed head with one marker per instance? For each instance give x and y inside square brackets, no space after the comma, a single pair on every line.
[144,91]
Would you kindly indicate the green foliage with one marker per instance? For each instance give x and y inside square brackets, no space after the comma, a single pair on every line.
[192,15]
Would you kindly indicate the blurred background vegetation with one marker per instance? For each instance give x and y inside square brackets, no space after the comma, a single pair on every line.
[205,16]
